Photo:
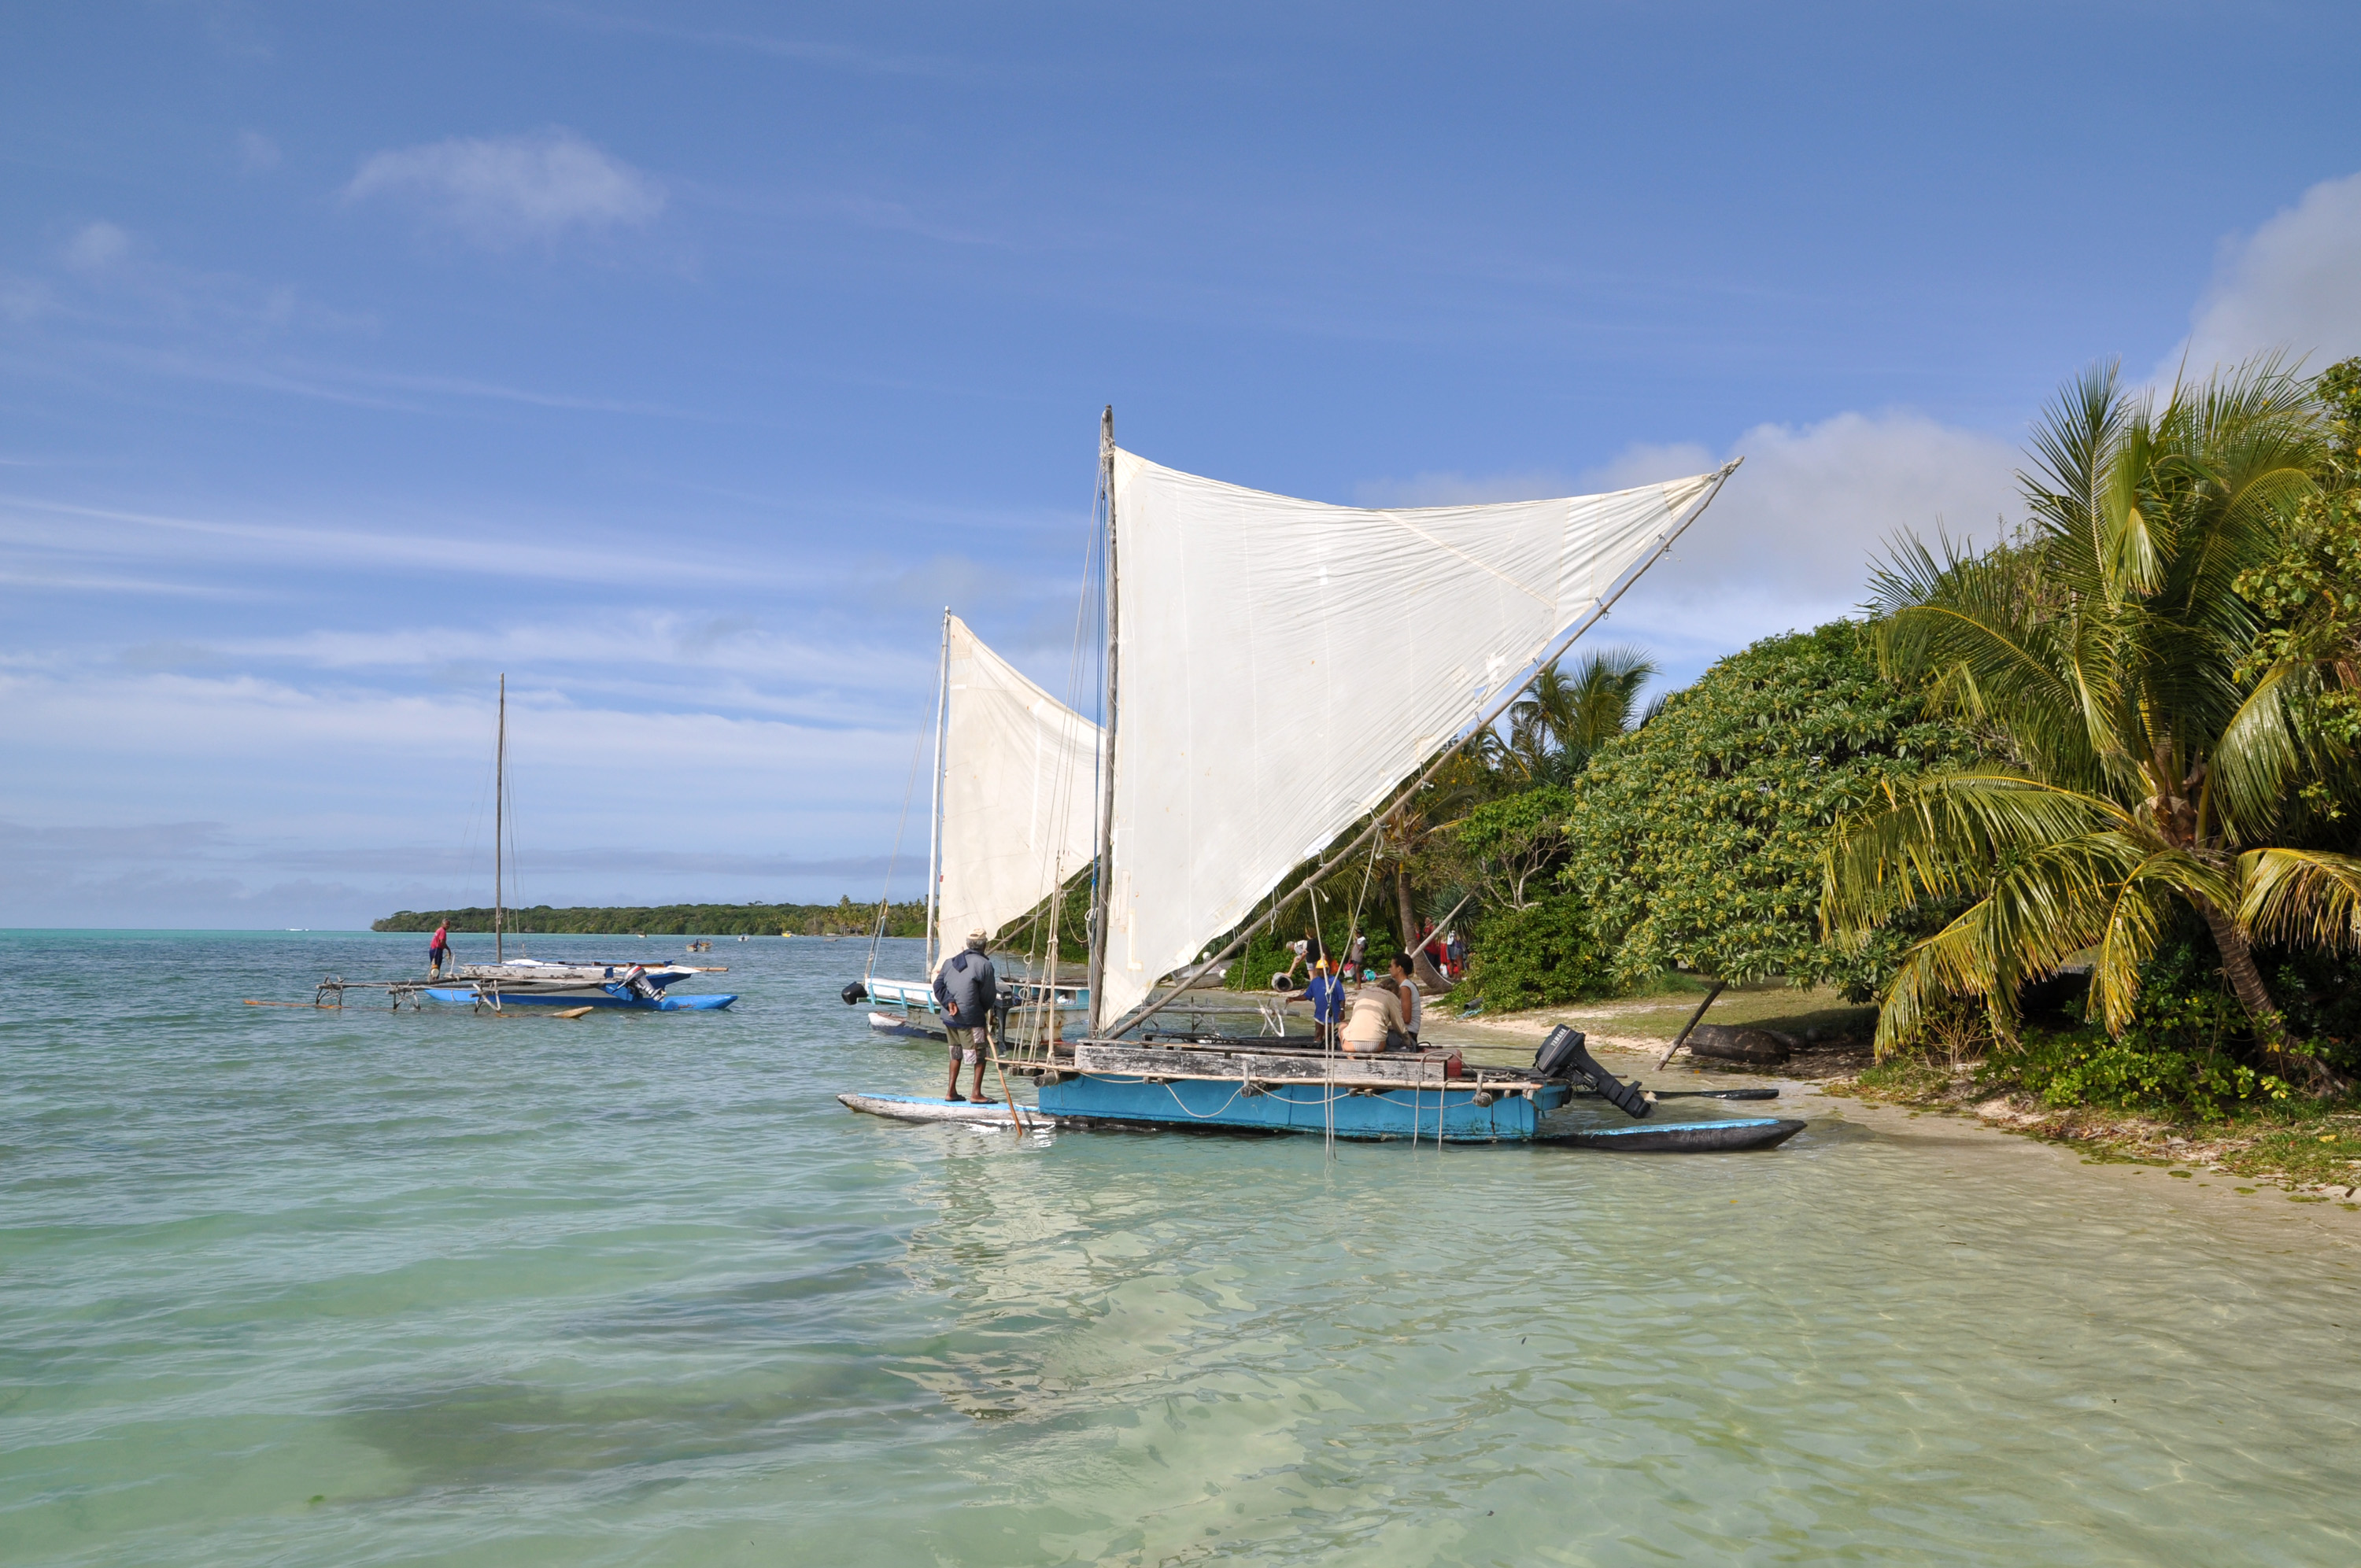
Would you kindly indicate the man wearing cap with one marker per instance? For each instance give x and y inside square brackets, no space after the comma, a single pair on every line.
[965,989]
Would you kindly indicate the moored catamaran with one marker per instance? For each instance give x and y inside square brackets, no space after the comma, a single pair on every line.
[1276,670]
[538,982]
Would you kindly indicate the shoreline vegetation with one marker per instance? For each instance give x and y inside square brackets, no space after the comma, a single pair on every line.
[2063,832]
[2308,1149]
[842,918]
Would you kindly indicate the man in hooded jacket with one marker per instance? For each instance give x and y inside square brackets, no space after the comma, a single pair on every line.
[966,989]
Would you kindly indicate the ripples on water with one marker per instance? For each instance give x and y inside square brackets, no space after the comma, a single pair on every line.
[286,1286]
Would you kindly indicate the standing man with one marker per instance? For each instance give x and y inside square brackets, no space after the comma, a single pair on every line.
[438,949]
[966,989]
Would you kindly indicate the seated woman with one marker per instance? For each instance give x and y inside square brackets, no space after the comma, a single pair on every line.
[1373,1020]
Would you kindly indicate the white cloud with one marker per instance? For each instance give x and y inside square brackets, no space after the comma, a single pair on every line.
[96,246]
[506,192]
[2294,283]
[1788,543]
[256,152]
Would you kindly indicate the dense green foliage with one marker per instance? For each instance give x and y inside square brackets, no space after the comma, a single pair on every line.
[2178,1055]
[1696,840]
[842,917]
[2309,594]
[1513,846]
[2152,756]
[1536,955]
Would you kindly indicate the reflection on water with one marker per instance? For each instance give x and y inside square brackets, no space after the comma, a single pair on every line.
[637,1291]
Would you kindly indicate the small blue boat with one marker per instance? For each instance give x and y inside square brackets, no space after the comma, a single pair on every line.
[534,984]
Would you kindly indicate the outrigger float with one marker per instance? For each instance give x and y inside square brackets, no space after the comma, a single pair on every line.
[1275,671]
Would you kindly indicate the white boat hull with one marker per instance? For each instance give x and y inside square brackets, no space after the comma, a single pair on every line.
[913,1108]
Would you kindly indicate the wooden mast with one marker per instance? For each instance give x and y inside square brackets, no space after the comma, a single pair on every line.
[499,820]
[1106,863]
[935,793]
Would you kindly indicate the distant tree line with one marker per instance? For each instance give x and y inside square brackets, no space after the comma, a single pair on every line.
[843,917]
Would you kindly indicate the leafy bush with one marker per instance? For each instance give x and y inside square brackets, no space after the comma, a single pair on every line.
[2086,1068]
[1696,840]
[1532,957]
[2180,1055]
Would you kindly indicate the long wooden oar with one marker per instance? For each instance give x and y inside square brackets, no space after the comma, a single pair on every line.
[1693,1095]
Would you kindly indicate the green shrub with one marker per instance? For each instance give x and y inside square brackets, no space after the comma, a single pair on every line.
[1532,957]
[2180,1055]
[1696,839]
[2085,1068]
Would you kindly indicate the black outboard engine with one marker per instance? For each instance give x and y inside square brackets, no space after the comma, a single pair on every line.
[854,992]
[1562,1056]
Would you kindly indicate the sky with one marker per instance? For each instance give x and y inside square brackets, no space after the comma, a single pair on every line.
[680,362]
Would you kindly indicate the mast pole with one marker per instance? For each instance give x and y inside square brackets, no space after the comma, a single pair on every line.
[935,793]
[1377,821]
[1105,838]
[499,822]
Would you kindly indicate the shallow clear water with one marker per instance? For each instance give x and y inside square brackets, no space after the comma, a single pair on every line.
[279,1286]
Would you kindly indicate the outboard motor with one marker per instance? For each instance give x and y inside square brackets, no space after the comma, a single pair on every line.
[1562,1055]
[854,992]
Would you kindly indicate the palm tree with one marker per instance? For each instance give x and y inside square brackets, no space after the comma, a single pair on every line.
[1560,722]
[2142,766]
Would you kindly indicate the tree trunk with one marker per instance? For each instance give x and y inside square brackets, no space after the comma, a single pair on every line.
[2246,983]
[1401,907]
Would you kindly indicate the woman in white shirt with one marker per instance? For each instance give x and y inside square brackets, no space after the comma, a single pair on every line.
[1374,1019]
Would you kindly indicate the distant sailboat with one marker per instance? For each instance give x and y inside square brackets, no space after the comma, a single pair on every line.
[533,980]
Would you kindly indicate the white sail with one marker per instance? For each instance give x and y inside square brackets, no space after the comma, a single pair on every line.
[1016,791]
[1284,666]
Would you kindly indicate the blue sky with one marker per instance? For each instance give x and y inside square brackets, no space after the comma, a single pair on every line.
[682,361]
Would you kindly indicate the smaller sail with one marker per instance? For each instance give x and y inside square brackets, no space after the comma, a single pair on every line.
[1018,796]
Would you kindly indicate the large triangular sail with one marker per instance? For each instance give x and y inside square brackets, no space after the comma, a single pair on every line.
[1285,665]
[1016,815]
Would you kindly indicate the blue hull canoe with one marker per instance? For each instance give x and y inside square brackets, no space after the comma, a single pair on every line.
[1409,1112]
[695,1004]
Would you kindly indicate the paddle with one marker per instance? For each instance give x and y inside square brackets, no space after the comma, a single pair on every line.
[573,1013]
[1693,1093]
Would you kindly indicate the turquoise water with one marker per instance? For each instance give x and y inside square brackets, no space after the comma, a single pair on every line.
[286,1287]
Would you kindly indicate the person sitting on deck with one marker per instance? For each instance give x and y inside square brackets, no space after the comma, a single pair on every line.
[965,988]
[1375,1020]
[1413,1000]
[1326,992]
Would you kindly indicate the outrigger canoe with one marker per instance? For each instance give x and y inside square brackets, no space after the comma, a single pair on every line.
[1399,1095]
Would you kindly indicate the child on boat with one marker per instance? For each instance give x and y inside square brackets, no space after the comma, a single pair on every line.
[1326,992]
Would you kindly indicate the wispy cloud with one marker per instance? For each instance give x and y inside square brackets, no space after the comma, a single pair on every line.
[500,192]
[802,51]
[399,549]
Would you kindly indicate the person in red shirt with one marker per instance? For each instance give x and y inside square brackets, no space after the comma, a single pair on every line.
[438,949]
